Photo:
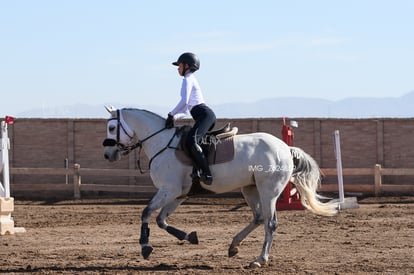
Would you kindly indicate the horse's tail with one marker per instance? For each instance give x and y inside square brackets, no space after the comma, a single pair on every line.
[306,174]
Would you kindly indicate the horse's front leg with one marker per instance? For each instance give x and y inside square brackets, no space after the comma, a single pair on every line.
[179,234]
[162,197]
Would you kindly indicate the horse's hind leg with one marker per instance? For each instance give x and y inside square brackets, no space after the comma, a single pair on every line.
[252,198]
[165,212]
[268,202]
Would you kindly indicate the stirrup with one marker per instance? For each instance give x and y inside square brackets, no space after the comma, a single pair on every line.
[195,175]
[206,179]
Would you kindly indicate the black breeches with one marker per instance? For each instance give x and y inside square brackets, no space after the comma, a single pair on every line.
[205,119]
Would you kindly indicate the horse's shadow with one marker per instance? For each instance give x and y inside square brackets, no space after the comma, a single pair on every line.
[108,269]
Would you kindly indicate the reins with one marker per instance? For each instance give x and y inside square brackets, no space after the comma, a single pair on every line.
[139,145]
[177,131]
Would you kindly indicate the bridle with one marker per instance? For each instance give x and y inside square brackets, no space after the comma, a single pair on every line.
[126,149]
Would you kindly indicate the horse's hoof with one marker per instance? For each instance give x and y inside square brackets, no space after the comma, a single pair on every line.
[192,238]
[146,251]
[255,265]
[233,251]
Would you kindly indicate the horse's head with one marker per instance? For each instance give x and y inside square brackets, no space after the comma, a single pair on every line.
[120,138]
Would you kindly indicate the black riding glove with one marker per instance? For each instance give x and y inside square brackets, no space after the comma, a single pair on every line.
[169,123]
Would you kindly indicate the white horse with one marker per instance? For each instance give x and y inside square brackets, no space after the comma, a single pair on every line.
[132,128]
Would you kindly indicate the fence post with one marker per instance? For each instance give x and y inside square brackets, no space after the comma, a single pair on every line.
[76,181]
[378,179]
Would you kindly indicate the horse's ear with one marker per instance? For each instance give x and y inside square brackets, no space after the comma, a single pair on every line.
[110,109]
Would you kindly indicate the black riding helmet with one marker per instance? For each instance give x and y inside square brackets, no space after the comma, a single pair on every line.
[190,59]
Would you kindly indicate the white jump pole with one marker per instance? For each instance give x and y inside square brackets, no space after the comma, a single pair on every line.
[343,203]
[5,146]
[6,202]
[337,148]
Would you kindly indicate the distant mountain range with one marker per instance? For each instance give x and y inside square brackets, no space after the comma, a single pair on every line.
[356,107]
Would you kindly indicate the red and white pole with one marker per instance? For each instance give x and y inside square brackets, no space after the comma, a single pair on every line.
[290,199]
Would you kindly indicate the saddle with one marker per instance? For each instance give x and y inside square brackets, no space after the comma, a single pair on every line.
[217,145]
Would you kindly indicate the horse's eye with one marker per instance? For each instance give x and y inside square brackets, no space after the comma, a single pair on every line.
[111,128]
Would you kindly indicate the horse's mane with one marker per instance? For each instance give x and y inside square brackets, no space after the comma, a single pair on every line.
[145,111]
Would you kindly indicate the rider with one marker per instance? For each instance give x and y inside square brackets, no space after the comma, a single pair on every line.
[192,101]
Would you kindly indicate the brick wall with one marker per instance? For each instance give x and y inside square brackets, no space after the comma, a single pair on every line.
[364,143]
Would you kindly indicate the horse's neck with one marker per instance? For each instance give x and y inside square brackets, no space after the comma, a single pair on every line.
[145,126]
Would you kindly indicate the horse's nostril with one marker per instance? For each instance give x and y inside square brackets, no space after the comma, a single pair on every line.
[106,156]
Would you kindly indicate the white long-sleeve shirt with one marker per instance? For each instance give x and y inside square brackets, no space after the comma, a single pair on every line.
[191,96]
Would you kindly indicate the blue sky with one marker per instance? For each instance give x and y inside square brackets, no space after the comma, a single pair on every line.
[55,53]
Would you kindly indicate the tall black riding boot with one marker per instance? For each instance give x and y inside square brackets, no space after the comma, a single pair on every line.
[202,163]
